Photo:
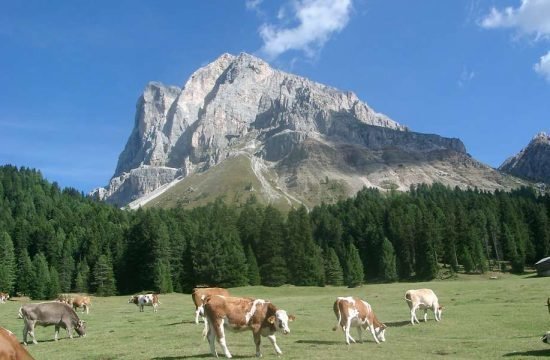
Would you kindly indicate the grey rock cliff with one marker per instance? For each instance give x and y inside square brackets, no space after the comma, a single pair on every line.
[532,162]
[240,105]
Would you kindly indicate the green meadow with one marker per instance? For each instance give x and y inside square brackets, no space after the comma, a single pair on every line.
[483,318]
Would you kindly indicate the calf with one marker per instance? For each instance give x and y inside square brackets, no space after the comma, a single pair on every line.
[145,300]
[352,311]
[199,296]
[51,313]
[260,316]
[10,348]
[423,299]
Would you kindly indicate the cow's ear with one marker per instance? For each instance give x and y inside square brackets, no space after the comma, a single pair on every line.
[271,319]
[291,318]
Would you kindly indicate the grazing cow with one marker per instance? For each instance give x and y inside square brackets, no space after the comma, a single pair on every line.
[260,316]
[423,299]
[51,313]
[145,300]
[83,302]
[546,338]
[4,297]
[10,348]
[199,296]
[352,311]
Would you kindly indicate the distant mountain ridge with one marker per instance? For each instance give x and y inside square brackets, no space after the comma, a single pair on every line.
[532,162]
[295,136]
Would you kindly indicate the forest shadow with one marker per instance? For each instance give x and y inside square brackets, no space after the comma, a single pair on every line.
[542,352]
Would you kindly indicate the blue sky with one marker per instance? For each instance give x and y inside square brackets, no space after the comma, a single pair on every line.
[72,71]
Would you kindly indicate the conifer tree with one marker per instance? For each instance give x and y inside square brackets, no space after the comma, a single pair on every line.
[7,263]
[304,256]
[253,270]
[53,287]
[41,278]
[25,273]
[273,267]
[388,262]
[334,274]
[354,267]
[103,277]
[82,277]
[163,280]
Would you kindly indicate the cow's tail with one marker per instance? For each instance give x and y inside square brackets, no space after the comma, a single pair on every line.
[336,307]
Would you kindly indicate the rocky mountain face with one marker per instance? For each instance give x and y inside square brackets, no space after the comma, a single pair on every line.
[533,162]
[295,134]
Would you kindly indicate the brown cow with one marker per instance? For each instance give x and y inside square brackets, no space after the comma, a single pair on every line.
[199,296]
[145,300]
[10,348]
[260,316]
[352,311]
[83,302]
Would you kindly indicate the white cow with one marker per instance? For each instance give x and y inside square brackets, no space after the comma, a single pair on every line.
[350,312]
[423,299]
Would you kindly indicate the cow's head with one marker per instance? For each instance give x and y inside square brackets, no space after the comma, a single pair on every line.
[80,328]
[133,300]
[281,320]
[546,338]
[381,332]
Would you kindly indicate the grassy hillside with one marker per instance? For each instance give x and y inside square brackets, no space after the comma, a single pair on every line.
[483,318]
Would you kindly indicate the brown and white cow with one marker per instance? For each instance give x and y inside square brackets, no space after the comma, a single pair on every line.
[199,295]
[4,297]
[145,300]
[423,299]
[350,312]
[260,316]
[10,348]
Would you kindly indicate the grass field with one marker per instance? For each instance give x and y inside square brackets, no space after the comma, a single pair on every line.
[483,319]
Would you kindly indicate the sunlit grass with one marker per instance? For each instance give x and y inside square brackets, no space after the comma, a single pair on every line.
[483,319]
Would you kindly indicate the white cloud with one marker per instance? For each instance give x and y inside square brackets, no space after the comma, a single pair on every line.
[465,77]
[543,66]
[253,4]
[532,17]
[317,21]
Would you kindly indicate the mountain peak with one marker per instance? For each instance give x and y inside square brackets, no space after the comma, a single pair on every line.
[532,162]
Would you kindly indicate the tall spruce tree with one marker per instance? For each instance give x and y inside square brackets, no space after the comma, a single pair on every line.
[104,277]
[7,263]
[354,274]
[82,277]
[25,273]
[40,284]
[388,262]
[253,270]
[334,274]
[273,267]
[54,288]
[304,257]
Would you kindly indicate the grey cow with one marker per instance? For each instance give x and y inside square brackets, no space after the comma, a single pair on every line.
[51,313]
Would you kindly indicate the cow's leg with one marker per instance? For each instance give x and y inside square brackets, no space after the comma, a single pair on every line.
[425,314]
[31,332]
[413,316]
[212,339]
[56,332]
[221,339]
[273,340]
[346,331]
[87,309]
[371,328]
[257,342]
[360,333]
[25,332]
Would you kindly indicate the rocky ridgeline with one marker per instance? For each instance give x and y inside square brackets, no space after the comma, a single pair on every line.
[240,104]
[533,162]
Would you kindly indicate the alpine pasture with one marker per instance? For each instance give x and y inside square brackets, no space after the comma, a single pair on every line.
[482,318]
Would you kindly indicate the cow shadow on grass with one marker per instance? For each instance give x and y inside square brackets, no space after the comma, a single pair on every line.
[542,352]
[398,323]
[319,342]
[200,356]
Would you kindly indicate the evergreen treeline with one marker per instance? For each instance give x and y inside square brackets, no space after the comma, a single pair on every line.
[56,240]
